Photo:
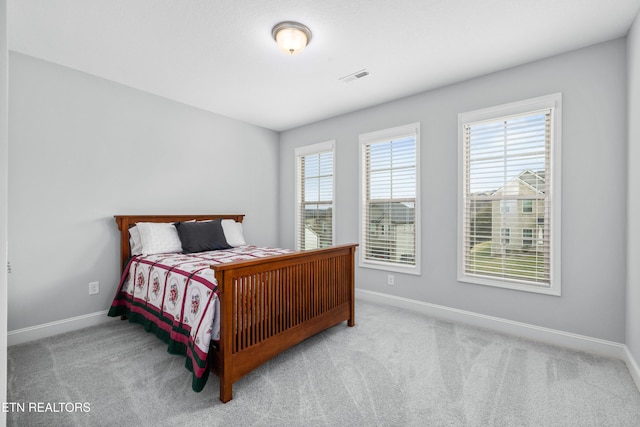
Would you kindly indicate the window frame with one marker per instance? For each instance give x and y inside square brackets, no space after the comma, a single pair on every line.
[306,150]
[365,139]
[553,103]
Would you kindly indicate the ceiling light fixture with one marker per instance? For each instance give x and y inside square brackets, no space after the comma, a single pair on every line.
[292,37]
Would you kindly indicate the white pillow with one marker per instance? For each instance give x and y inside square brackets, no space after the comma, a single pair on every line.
[233,232]
[158,237]
[134,241]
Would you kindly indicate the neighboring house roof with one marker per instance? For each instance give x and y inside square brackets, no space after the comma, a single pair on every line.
[398,213]
[534,180]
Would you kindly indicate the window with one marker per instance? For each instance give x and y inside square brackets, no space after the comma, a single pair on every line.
[510,188]
[390,218]
[314,195]
[505,233]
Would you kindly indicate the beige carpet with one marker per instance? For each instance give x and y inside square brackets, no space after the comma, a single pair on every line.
[394,368]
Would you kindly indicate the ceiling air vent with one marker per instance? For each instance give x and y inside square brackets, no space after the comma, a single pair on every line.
[354,76]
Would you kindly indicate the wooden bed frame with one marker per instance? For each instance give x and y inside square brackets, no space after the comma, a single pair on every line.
[270,304]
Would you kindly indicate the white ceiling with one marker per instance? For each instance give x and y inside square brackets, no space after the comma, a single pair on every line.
[218,55]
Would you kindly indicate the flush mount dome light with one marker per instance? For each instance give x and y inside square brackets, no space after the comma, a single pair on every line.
[292,37]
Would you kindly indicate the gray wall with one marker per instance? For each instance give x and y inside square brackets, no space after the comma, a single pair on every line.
[4,143]
[633,235]
[593,83]
[83,149]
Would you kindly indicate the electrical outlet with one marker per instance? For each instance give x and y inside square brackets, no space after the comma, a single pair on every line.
[390,280]
[94,288]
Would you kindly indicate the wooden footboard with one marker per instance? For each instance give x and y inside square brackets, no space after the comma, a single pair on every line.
[270,304]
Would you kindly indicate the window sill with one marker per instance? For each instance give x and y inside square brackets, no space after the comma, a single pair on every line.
[388,266]
[525,287]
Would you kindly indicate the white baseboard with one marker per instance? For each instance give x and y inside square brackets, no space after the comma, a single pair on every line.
[37,332]
[525,330]
[633,367]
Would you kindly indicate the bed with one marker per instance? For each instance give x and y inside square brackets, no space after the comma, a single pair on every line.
[263,304]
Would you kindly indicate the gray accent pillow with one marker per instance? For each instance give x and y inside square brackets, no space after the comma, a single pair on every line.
[201,236]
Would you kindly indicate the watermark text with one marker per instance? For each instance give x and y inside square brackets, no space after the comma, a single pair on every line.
[53,407]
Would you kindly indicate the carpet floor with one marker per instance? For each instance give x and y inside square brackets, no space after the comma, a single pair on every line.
[394,368]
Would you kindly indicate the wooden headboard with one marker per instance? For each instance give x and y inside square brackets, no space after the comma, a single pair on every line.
[125,222]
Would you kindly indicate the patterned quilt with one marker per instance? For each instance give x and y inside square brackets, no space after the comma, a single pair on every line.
[175,296]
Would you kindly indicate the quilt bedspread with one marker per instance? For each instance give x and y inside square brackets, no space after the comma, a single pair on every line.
[175,296]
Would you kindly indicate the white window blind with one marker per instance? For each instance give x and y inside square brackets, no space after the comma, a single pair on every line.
[389,199]
[315,189]
[508,200]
